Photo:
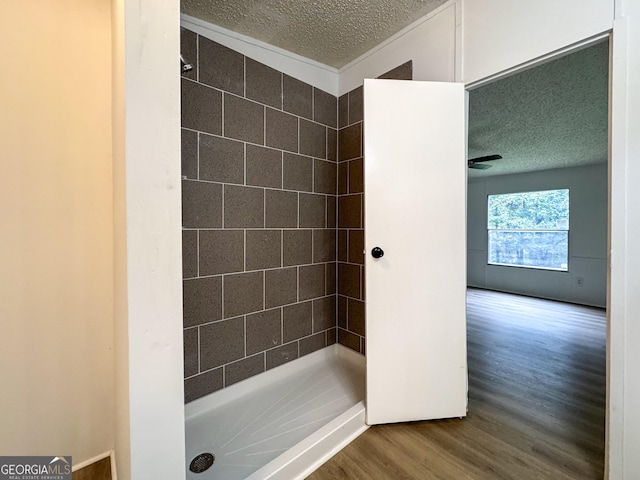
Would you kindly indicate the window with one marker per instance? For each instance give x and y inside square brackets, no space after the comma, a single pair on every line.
[529,229]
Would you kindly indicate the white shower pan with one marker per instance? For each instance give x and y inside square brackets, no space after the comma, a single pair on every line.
[282,424]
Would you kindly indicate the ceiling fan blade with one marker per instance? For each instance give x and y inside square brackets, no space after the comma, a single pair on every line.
[487,158]
[479,166]
[477,162]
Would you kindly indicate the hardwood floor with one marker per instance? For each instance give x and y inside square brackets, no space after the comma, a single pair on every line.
[536,403]
[100,470]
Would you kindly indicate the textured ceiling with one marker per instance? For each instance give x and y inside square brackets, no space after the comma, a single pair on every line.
[332,32]
[551,116]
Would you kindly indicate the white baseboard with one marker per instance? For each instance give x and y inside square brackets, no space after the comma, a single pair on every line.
[88,462]
[114,471]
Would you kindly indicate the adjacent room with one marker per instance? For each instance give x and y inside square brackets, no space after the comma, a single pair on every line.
[550,126]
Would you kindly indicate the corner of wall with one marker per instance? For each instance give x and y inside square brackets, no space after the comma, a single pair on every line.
[430,42]
[122,443]
[148,301]
[309,71]
[623,432]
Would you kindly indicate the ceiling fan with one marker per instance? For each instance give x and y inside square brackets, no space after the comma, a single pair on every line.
[477,162]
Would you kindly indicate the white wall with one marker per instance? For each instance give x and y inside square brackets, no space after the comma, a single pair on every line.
[150,441]
[502,34]
[587,236]
[430,43]
[56,279]
[632,267]
[624,312]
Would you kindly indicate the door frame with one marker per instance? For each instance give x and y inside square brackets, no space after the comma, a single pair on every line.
[616,228]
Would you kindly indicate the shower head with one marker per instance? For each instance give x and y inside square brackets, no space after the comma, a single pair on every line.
[185,67]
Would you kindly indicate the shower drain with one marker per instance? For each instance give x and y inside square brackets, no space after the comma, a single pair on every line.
[201,462]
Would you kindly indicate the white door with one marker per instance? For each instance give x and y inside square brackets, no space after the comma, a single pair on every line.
[415,211]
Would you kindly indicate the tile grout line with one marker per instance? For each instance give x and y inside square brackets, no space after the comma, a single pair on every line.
[198,155]
[222,112]
[310,300]
[282,169]
[247,186]
[298,130]
[244,160]
[248,142]
[313,244]
[347,314]
[240,272]
[326,144]
[281,325]
[199,352]
[222,185]
[243,97]
[222,295]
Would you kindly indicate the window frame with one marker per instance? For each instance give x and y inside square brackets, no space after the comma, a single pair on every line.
[529,230]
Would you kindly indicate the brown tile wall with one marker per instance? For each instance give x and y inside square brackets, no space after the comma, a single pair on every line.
[259,153]
[350,220]
[350,238]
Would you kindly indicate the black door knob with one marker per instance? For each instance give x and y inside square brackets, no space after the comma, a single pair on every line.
[377,252]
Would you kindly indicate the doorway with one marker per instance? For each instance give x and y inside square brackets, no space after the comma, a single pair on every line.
[549,125]
[455,456]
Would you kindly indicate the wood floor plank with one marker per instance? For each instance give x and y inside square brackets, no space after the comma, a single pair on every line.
[100,470]
[537,386]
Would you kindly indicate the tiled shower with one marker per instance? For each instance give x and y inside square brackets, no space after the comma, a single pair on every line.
[273,226]
[351,221]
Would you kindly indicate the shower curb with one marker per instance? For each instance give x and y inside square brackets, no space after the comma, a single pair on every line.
[304,457]
[308,455]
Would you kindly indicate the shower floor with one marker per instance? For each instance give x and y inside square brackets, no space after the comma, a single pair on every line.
[283,423]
